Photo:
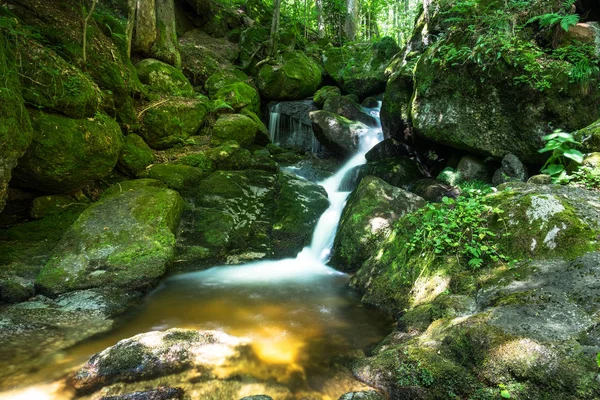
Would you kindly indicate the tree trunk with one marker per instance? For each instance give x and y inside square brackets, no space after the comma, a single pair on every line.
[351,22]
[274,39]
[154,33]
[131,5]
[85,24]
[320,22]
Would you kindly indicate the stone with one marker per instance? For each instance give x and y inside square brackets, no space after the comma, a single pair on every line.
[53,205]
[300,204]
[52,83]
[251,42]
[220,79]
[472,168]
[450,177]
[325,93]
[364,395]
[236,127]
[175,176]
[370,102]
[67,154]
[337,133]
[239,95]
[396,104]
[293,77]
[344,106]
[367,220]
[155,354]
[171,122]
[163,78]
[162,393]
[388,148]
[124,240]
[589,137]
[512,170]
[135,155]
[541,179]
[15,126]
[433,190]
[257,397]
[400,172]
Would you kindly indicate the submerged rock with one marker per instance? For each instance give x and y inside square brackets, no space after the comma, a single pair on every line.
[153,354]
[67,154]
[367,219]
[337,133]
[294,77]
[125,240]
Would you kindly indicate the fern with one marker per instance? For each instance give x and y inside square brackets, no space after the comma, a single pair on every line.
[565,21]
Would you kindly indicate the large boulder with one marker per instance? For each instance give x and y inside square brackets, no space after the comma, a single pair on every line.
[527,326]
[67,154]
[300,203]
[360,68]
[15,126]
[154,354]
[220,79]
[293,77]
[324,93]
[337,133]
[346,107]
[125,240]
[400,172]
[50,82]
[170,122]
[236,127]
[496,116]
[163,78]
[239,95]
[367,218]
[135,155]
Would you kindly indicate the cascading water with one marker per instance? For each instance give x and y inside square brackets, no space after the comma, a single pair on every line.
[298,314]
[289,126]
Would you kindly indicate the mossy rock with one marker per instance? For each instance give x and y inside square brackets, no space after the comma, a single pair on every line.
[67,154]
[236,127]
[239,95]
[251,41]
[15,126]
[135,155]
[202,56]
[300,203]
[55,205]
[589,137]
[324,93]
[163,78]
[337,133]
[494,115]
[229,156]
[395,107]
[48,81]
[125,240]
[367,219]
[348,108]
[220,79]
[400,172]
[175,176]
[263,137]
[293,77]
[171,122]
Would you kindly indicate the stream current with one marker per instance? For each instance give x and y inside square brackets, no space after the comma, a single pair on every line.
[303,321]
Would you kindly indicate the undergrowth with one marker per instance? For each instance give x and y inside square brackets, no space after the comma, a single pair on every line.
[459,227]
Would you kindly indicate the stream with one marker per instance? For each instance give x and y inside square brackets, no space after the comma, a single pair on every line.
[299,314]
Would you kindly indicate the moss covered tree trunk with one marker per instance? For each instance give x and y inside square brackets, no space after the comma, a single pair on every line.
[154,32]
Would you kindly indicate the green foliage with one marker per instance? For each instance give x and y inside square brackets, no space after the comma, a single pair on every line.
[458,228]
[565,21]
[584,64]
[584,176]
[559,143]
[413,374]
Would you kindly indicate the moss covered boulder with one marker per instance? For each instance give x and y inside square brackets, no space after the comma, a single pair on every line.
[178,177]
[325,93]
[348,108]
[67,154]
[50,82]
[367,218]
[163,78]
[167,123]
[154,354]
[589,137]
[401,172]
[125,240]
[293,77]
[337,133]
[395,107]
[220,79]
[300,203]
[15,126]
[236,127]
[135,155]
[496,116]
[239,95]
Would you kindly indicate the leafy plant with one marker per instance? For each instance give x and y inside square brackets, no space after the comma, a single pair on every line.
[459,228]
[559,143]
[565,21]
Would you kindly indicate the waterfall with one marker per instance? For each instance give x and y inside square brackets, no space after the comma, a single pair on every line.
[311,261]
[290,126]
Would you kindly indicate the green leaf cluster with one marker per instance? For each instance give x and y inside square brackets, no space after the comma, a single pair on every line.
[458,227]
[560,143]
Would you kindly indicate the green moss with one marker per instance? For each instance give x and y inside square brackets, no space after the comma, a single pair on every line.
[67,154]
[135,155]
[175,176]
[294,77]
[220,79]
[324,93]
[163,78]
[239,95]
[236,127]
